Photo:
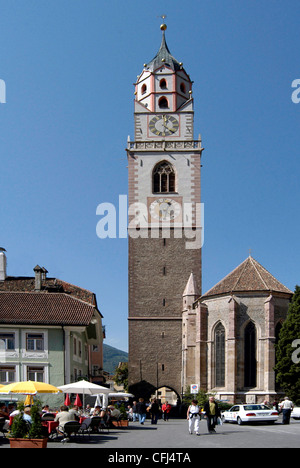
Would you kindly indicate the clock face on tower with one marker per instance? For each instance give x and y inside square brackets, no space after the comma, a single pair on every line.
[165,209]
[163,125]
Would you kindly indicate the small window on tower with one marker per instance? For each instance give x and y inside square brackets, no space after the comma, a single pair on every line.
[163,103]
[163,84]
[144,89]
[182,88]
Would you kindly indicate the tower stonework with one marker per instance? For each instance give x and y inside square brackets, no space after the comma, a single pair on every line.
[164,163]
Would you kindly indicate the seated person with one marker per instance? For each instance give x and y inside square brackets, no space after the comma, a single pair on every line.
[26,414]
[96,411]
[114,413]
[62,417]
[75,411]
[4,414]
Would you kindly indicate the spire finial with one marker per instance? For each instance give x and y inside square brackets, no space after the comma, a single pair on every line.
[163,26]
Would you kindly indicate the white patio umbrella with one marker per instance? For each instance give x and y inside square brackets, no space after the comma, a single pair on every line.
[84,387]
[105,397]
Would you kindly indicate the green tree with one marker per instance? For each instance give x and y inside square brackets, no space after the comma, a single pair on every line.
[201,397]
[36,428]
[121,375]
[288,362]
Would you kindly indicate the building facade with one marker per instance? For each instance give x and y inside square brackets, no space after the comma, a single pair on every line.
[222,341]
[48,330]
[229,335]
[164,191]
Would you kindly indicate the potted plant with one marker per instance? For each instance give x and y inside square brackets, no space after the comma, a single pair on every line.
[27,435]
[123,417]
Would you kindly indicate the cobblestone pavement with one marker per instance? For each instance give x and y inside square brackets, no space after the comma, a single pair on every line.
[174,435]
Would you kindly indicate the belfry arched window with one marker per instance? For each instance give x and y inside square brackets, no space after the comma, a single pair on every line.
[220,355]
[163,103]
[163,84]
[164,179]
[250,345]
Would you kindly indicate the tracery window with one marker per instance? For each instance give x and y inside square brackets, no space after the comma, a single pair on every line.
[164,178]
[220,355]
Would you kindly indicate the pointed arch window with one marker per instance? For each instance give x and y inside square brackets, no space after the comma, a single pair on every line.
[277,337]
[164,179]
[220,355]
[250,342]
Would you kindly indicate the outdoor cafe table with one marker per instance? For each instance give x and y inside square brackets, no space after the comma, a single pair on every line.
[51,425]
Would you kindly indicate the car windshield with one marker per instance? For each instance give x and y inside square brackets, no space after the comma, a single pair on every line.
[255,407]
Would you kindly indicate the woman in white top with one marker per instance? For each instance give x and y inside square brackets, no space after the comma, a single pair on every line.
[193,417]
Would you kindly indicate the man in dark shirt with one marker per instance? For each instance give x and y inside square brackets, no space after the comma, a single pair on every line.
[141,410]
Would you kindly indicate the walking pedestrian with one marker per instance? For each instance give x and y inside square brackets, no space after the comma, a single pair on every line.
[166,408]
[286,407]
[154,410]
[193,417]
[135,415]
[141,410]
[212,413]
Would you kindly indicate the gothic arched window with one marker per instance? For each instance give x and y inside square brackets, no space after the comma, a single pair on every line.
[164,178]
[220,355]
[250,355]
[277,333]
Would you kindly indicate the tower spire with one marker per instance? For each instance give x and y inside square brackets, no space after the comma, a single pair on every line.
[164,55]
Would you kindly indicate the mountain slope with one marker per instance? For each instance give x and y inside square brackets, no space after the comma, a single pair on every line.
[112,357]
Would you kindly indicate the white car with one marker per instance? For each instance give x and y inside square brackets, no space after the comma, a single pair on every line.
[296,413]
[250,413]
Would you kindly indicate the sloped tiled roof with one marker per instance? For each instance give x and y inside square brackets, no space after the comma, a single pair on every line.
[249,276]
[44,308]
[27,284]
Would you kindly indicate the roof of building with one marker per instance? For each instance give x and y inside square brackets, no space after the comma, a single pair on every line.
[27,284]
[191,288]
[163,57]
[249,276]
[44,308]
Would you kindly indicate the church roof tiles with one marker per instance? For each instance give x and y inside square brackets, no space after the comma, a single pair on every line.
[249,276]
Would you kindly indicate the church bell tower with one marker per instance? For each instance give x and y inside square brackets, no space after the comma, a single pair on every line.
[164,163]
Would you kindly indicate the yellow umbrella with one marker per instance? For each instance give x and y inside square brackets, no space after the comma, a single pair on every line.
[28,400]
[29,388]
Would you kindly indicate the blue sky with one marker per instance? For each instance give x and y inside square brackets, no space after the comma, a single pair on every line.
[69,68]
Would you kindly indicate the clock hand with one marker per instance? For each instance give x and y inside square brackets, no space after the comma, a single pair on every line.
[165,121]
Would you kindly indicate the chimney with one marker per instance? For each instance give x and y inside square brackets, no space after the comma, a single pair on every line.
[3,263]
[44,274]
[38,278]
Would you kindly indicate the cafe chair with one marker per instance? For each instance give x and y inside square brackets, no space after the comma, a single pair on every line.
[70,429]
[2,423]
[48,417]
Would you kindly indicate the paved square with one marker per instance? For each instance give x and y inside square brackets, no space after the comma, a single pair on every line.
[174,435]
